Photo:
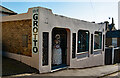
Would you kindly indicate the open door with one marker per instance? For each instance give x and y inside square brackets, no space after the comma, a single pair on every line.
[59,48]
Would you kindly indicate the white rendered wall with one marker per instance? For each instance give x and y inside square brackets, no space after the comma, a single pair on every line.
[46,15]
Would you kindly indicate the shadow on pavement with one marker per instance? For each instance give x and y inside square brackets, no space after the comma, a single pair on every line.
[13,67]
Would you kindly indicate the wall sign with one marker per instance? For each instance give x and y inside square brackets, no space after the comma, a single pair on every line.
[35,31]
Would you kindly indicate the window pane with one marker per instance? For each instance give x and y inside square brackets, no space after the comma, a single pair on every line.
[74,45]
[103,42]
[98,40]
[45,48]
[114,42]
[91,43]
[83,41]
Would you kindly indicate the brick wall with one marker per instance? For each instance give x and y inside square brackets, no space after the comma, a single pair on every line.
[118,42]
[108,41]
[12,36]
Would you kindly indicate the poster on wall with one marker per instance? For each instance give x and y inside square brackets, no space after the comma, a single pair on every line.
[35,47]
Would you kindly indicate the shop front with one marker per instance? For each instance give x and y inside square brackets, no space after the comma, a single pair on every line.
[55,41]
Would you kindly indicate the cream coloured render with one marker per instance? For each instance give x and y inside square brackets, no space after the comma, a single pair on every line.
[73,25]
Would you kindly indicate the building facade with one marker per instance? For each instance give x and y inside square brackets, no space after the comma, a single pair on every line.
[113,38]
[112,35]
[35,36]
[6,12]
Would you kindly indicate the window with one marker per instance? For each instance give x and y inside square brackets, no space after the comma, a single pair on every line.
[74,45]
[103,42]
[83,41]
[97,40]
[114,42]
[91,43]
[25,40]
[45,48]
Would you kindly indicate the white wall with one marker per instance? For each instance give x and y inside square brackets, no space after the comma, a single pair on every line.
[46,15]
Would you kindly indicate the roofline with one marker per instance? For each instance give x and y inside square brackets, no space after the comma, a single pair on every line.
[7,8]
[8,13]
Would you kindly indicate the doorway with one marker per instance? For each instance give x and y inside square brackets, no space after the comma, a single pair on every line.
[59,48]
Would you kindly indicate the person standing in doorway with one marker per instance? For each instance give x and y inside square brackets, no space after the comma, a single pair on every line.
[57,52]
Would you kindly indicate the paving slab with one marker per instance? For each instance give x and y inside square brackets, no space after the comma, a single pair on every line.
[25,71]
[93,72]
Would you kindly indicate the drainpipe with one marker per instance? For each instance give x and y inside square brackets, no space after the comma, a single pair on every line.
[112,55]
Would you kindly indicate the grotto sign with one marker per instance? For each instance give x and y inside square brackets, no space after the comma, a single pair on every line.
[35,31]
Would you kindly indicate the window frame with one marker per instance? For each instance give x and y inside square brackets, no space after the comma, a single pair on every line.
[101,42]
[83,52]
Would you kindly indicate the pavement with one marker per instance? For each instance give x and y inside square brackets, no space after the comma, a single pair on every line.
[106,71]
[94,71]
[13,67]
[114,75]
